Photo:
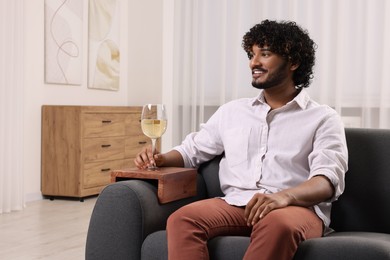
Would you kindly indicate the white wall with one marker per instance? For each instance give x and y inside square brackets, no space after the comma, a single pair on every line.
[141,74]
[145,51]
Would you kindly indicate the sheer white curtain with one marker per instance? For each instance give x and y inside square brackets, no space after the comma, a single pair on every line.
[210,68]
[11,105]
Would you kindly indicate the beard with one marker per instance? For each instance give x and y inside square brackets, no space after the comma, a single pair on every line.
[273,79]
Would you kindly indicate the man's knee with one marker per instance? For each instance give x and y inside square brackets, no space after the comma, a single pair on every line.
[180,216]
[174,219]
[282,221]
[289,222]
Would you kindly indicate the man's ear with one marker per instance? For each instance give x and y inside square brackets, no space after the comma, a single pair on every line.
[294,67]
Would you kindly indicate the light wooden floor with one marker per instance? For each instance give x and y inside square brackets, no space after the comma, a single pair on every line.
[46,229]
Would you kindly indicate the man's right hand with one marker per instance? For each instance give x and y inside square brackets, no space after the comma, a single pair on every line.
[146,158]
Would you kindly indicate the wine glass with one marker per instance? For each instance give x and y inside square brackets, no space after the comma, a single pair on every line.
[153,124]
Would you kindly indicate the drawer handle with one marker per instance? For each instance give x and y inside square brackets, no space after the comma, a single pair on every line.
[106,121]
[142,142]
[106,145]
[105,169]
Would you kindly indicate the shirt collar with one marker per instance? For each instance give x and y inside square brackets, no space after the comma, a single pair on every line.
[302,99]
[259,99]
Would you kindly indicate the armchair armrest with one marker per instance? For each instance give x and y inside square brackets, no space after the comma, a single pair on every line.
[125,213]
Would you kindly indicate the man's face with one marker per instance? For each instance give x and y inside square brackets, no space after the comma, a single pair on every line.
[268,69]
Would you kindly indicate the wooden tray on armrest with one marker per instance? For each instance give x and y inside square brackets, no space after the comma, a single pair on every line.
[174,183]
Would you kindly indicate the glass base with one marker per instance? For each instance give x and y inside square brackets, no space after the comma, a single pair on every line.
[152,168]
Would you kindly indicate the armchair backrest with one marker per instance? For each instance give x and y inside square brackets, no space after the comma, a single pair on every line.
[209,171]
[365,203]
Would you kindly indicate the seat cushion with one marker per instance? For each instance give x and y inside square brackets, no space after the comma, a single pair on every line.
[339,245]
[220,248]
[346,245]
[228,247]
[155,246]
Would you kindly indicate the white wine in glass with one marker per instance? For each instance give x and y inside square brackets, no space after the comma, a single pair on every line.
[154,124]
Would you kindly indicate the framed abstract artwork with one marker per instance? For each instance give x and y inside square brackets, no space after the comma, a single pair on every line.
[63,41]
[103,45]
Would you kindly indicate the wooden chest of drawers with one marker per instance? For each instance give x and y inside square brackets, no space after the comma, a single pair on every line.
[81,145]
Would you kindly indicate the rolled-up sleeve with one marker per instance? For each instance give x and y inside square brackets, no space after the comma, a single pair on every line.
[330,155]
[202,146]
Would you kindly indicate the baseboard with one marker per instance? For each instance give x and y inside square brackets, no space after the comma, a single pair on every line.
[33,197]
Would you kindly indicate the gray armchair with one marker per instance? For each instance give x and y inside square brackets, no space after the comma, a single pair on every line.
[129,223]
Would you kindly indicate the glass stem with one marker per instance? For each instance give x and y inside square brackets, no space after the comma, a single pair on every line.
[154,149]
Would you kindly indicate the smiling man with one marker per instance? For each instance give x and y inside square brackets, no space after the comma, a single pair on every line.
[285,156]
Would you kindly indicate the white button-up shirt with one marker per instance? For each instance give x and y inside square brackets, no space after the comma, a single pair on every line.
[271,150]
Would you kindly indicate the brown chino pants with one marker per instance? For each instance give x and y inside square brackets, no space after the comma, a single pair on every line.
[276,236]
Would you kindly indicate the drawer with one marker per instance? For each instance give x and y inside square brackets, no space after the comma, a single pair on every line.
[133,124]
[98,149]
[99,173]
[103,124]
[135,143]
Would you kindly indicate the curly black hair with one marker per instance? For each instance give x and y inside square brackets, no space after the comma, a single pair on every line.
[290,41]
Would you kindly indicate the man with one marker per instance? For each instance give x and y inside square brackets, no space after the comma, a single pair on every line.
[285,156]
